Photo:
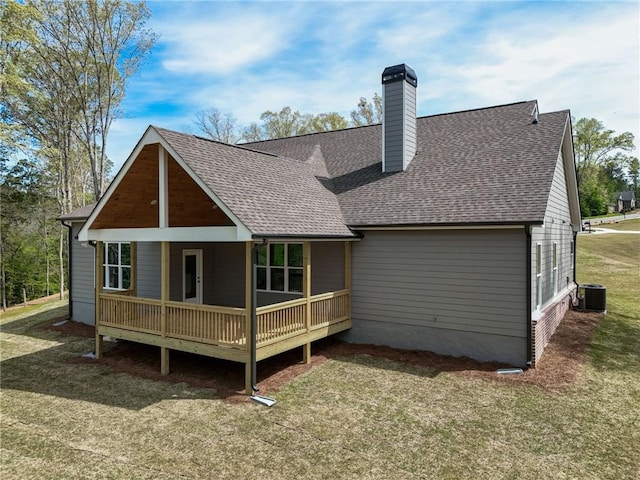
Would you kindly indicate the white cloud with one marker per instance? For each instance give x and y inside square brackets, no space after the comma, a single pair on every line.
[245,58]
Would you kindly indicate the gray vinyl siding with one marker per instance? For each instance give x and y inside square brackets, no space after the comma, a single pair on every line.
[82,272]
[208,273]
[557,228]
[458,292]
[327,267]
[399,125]
[149,271]
[229,274]
[224,272]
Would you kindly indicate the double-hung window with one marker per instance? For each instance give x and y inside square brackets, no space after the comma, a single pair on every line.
[280,267]
[117,265]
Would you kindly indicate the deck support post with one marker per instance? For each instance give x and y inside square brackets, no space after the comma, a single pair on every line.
[164,360]
[306,289]
[164,297]
[134,269]
[347,274]
[99,258]
[247,308]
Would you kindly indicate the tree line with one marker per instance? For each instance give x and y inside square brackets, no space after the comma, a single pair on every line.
[224,127]
[64,68]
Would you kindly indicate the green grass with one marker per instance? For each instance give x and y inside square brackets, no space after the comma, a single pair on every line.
[629,225]
[353,417]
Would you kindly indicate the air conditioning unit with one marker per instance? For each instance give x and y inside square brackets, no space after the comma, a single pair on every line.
[592,298]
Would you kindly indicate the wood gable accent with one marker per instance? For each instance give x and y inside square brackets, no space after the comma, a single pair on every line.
[135,201]
[157,197]
[132,203]
[189,205]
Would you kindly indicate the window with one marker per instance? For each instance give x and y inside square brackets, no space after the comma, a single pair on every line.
[538,276]
[280,267]
[117,265]
[555,268]
[572,254]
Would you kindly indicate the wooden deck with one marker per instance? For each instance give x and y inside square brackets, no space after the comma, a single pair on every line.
[221,332]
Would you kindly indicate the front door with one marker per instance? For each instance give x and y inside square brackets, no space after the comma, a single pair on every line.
[192,276]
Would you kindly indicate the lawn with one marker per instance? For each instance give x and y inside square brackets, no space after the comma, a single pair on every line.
[356,416]
[632,225]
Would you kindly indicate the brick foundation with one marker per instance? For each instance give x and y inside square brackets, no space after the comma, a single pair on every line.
[543,328]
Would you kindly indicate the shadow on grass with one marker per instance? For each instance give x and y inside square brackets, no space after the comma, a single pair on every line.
[616,345]
[24,325]
[49,362]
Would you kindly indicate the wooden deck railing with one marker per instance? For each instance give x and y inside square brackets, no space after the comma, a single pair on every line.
[130,313]
[281,319]
[328,308]
[224,326]
[206,323]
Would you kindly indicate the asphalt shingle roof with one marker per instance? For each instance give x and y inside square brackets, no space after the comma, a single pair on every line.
[81,213]
[486,166]
[491,165]
[270,195]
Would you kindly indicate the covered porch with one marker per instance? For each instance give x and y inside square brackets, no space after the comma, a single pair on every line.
[218,250]
[225,330]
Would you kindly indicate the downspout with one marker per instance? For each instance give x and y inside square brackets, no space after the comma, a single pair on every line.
[527,231]
[254,316]
[575,256]
[69,263]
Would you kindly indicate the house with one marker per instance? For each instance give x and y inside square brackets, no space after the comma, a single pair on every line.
[453,233]
[625,201]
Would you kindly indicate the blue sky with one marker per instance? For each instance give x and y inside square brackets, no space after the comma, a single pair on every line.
[247,57]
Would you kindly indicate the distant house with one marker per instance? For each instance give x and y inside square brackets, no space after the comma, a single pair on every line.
[413,234]
[625,201]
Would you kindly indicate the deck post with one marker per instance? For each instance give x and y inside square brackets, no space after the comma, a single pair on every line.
[134,269]
[99,258]
[347,274]
[164,297]
[306,289]
[247,308]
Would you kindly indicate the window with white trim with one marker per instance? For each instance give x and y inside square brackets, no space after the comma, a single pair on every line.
[538,276]
[572,254]
[117,265]
[555,268]
[280,267]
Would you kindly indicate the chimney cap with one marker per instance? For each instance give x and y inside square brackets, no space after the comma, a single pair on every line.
[400,72]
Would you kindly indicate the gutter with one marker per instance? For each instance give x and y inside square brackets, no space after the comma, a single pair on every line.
[286,237]
[527,232]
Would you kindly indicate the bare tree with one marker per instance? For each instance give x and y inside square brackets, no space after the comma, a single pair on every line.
[218,126]
[367,113]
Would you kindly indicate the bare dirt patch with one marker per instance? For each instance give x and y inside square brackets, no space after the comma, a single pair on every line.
[558,368]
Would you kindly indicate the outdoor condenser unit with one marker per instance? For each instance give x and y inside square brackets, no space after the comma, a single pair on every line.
[593,298]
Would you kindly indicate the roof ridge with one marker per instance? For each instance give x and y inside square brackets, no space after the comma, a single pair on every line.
[491,107]
[211,140]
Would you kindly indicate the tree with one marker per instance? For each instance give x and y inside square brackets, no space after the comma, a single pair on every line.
[325,122]
[601,164]
[218,126]
[64,70]
[92,49]
[367,113]
[634,174]
[594,144]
